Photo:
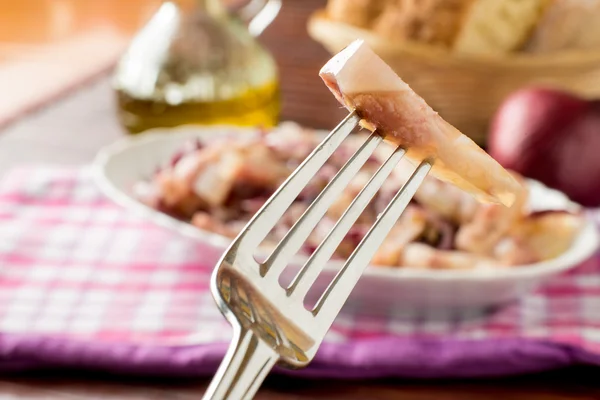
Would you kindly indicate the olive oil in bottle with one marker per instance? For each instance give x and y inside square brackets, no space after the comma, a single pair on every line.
[202,67]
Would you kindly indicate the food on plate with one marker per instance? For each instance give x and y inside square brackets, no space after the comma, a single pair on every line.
[219,184]
[526,240]
[363,82]
[541,236]
[486,225]
[552,136]
[476,27]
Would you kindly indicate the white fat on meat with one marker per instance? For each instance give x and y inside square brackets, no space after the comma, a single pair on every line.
[362,81]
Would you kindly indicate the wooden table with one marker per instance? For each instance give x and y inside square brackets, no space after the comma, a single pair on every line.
[574,384]
[71,131]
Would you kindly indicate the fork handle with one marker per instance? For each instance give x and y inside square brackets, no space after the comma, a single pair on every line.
[246,364]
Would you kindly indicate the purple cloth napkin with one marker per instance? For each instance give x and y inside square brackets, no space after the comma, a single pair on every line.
[369,358]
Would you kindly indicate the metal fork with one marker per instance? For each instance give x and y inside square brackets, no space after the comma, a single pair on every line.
[271,323]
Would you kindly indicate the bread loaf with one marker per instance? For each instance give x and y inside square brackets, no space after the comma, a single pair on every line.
[478,27]
[426,21]
[499,26]
[360,13]
[568,24]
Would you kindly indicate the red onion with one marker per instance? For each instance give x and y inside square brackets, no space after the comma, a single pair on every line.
[188,147]
[551,136]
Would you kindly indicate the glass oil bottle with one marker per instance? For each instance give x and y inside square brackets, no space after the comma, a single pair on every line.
[200,67]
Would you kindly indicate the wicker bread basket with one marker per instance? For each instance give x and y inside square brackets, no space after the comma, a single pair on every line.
[466,90]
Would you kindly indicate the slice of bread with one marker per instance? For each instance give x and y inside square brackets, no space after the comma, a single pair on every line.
[499,26]
[568,24]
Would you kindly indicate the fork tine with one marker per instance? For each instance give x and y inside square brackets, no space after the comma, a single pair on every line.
[297,235]
[332,300]
[266,218]
[315,264]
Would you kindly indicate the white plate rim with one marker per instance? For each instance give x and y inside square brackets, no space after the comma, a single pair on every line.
[584,246]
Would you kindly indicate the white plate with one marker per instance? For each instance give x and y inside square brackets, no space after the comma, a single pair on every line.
[119,166]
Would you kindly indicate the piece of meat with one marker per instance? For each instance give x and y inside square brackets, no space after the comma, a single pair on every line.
[340,205]
[409,227]
[176,197]
[490,223]
[419,255]
[176,183]
[148,193]
[188,147]
[539,236]
[446,200]
[261,167]
[362,81]
[217,180]
[514,250]
[209,223]
[291,142]
[253,164]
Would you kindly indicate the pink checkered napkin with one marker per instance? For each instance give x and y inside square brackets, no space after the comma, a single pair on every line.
[85,283]
[74,263]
